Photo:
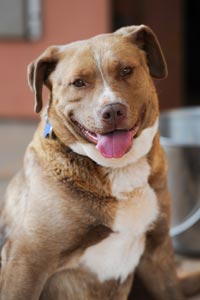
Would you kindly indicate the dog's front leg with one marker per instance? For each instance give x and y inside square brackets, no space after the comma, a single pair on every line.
[157,273]
[24,271]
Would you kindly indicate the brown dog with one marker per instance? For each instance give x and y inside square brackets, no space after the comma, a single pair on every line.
[90,207]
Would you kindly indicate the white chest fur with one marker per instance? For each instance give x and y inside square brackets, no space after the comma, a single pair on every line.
[118,255]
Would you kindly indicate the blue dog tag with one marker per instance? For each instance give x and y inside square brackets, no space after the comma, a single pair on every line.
[47,130]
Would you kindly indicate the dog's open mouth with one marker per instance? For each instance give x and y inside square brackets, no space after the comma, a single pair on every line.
[112,144]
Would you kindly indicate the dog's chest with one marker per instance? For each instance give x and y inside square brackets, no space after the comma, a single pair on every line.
[117,256]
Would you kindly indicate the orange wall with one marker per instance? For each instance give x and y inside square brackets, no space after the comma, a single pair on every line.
[64,21]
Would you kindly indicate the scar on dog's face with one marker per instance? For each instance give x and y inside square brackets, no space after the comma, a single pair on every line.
[102,88]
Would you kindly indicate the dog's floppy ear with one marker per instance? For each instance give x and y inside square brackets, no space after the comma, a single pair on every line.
[38,72]
[146,40]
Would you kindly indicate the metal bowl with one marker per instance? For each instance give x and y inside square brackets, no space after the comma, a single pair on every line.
[180,137]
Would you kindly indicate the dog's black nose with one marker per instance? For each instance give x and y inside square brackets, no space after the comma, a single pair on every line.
[113,114]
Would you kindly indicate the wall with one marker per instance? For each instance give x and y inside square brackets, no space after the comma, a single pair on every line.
[64,21]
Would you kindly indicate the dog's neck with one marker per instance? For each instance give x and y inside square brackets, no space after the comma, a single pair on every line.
[69,167]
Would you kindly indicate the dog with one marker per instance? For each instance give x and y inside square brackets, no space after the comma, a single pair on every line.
[88,215]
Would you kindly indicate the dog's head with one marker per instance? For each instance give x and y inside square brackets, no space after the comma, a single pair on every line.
[103,102]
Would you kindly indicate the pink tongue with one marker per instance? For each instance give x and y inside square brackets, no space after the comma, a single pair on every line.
[114,144]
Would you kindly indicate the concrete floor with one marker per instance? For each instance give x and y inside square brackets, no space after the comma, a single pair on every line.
[15,137]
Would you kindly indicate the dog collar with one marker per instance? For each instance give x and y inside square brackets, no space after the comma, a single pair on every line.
[48,130]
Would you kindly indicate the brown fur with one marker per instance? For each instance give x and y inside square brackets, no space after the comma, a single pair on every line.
[61,203]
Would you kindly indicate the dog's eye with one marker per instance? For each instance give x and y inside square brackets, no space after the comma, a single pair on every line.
[126,72]
[78,83]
